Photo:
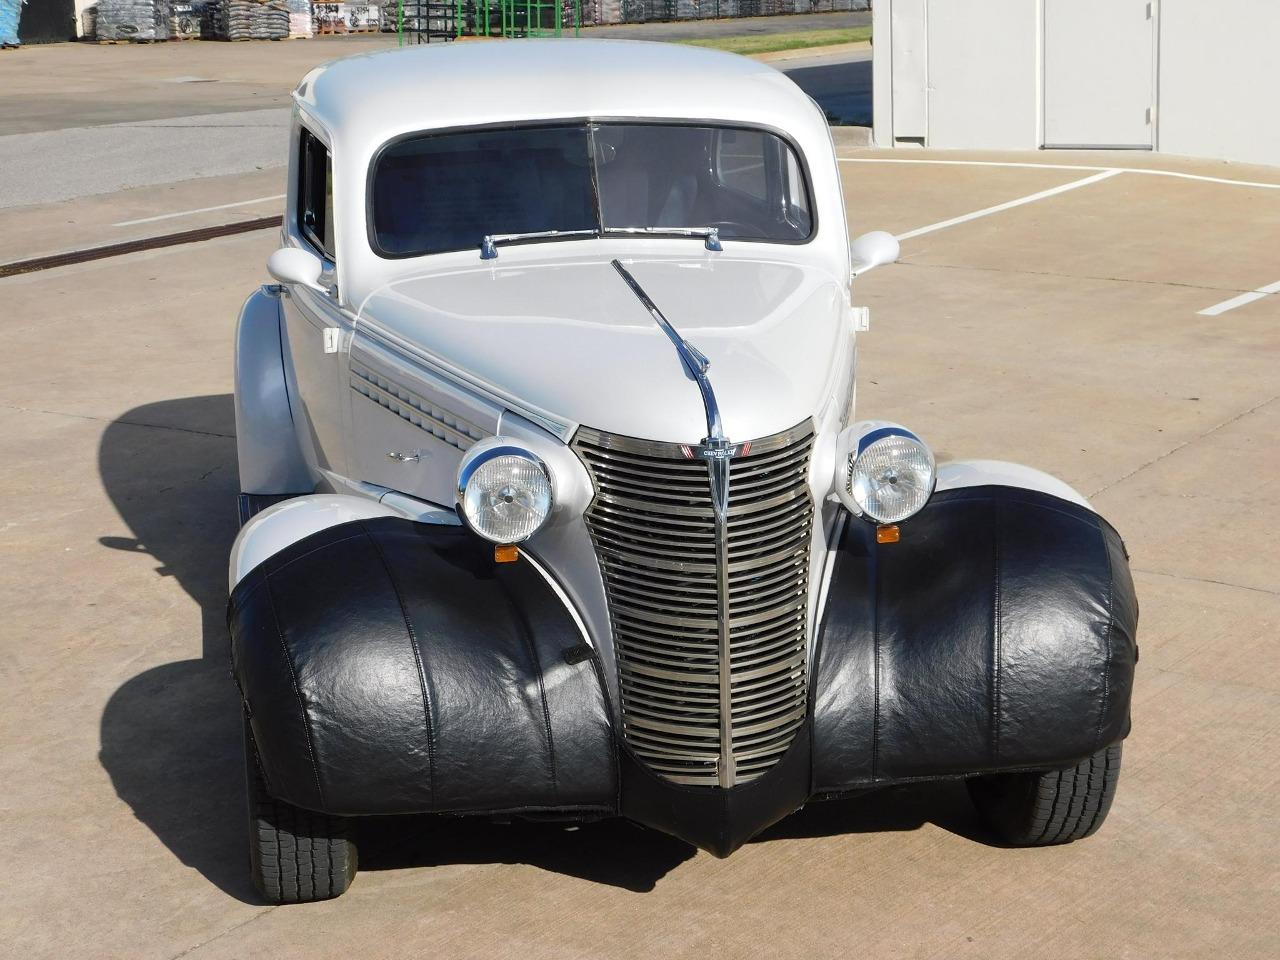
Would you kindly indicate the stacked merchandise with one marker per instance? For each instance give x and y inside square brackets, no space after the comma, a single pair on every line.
[638,11]
[184,21]
[133,20]
[426,21]
[362,18]
[641,11]
[9,15]
[348,18]
[711,9]
[299,18]
[249,20]
[588,10]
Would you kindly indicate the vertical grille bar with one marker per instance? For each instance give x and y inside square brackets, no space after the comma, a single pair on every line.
[728,762]
[710,615]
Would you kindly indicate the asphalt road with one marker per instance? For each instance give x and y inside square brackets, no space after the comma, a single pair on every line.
[841,83]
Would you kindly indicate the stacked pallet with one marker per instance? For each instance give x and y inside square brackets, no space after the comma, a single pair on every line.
[349,18]
[184,21]
[132,20]
[248,20]
[300,18]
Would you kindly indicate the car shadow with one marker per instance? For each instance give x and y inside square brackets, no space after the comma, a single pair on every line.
[942,803]
[171,736]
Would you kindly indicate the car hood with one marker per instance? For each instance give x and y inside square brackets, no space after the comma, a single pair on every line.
[572,340]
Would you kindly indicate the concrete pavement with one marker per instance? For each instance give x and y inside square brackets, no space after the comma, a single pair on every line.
[1065,333]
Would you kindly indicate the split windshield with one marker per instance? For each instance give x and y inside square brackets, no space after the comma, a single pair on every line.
[441,192]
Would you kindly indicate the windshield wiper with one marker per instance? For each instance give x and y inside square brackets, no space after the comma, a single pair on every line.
[489,245]
[710,234]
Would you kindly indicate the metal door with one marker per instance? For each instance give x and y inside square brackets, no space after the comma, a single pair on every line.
[1099,73]
[909,43]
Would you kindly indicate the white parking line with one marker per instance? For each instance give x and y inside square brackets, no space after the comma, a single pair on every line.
[190,213]
[1063,166]
[1241,300]
[986,212]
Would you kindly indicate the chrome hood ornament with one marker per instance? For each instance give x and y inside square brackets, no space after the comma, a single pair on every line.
[718,452]
[716,448]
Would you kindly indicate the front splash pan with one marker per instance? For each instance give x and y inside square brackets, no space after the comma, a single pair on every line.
[712,818]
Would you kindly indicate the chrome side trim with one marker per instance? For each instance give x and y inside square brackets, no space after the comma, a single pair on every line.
[558,590]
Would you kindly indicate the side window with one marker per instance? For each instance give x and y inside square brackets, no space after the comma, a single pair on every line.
[315,193]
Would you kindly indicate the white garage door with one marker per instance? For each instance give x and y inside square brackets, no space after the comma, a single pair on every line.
[1099,73]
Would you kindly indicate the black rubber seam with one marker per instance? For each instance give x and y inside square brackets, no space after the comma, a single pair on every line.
[875,641]
[1111,625]
[417,656]
[239,601]
[995,632]
[297,688]
[613,736]
[526,635]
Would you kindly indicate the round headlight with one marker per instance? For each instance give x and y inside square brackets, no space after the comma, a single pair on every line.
[890,475]
[505,493]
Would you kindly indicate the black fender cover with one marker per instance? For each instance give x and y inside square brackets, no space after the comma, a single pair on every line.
[999,633]
[388,666]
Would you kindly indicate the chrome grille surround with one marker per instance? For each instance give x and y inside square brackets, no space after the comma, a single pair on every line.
[672,584]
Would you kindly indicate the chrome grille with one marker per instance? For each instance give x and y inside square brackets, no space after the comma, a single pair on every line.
[655,534]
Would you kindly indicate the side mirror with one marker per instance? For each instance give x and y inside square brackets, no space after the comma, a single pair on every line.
[873,249]
[294,265]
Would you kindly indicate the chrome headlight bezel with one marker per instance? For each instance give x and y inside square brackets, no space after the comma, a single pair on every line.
[854,483]
[485,453]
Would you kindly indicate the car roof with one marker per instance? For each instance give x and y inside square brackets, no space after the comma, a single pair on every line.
[379,95]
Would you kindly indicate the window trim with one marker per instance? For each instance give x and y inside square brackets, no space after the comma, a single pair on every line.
[302,182]
[802,160]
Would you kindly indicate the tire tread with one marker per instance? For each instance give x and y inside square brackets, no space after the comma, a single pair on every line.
[295,855]
[1054,807]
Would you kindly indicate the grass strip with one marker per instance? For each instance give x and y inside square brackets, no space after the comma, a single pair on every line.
[773,42]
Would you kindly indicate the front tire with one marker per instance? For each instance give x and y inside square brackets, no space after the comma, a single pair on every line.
[295,855]
[1043,809]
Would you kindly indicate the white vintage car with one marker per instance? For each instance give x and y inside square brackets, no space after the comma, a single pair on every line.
[554,499]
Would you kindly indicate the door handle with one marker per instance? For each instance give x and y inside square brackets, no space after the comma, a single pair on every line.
[403,457]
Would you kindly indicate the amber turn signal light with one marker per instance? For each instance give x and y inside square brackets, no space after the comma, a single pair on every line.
[506,553]
[887,533]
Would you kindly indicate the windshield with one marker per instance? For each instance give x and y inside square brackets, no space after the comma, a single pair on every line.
[440,192]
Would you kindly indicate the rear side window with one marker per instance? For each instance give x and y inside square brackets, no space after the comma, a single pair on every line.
[315,193]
